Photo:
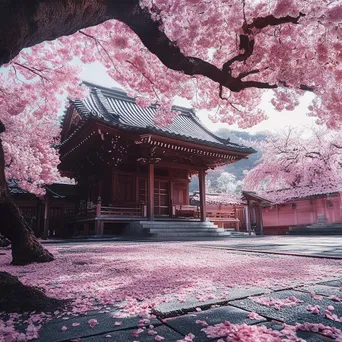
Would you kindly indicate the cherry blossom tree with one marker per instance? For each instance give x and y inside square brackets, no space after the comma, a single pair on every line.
[26,155]
[220,55]
[228,184]
[295,164]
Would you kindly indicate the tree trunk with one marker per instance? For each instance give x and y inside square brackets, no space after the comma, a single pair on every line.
[25,246]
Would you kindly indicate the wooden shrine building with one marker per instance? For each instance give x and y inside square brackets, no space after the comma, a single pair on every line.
[129,169]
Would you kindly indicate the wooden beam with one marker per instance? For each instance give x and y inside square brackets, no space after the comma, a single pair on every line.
[201,178]
[171,165]
[197,146]
[150,192]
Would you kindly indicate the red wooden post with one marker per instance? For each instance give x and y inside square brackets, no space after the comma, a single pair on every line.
[203,211]
[98,207]
[248,218]
[98,224]
[261,221]
[150,192]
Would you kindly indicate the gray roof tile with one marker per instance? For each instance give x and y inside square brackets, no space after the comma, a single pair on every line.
[115,107]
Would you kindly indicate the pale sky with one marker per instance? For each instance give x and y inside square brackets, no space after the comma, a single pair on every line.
[277,120]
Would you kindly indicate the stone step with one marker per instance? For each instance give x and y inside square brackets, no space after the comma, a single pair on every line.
[184,226]
[183,229]
[189,234]
[179,230]
[166,223]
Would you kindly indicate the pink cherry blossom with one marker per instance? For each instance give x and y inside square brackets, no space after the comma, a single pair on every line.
[203,323]
[92,322]
[295,164]
[254,315]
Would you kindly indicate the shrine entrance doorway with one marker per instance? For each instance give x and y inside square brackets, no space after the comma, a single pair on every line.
[161,198]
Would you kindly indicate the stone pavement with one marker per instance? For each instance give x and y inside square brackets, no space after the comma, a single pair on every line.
[174,320]
[315,246]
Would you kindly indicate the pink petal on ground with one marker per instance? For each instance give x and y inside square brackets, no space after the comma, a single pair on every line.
[75,324]
[64,328]
[254,315]
[152,332]
[203,323]
[92,322]
[159,338]
[189,337]
[117,323]
[315,310]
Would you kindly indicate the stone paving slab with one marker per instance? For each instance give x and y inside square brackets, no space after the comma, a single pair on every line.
[322,290]
[176,307]
[187,324]
[335,283]
[305,335]
[52,331]
[295,314]
[318,246]
[126,335]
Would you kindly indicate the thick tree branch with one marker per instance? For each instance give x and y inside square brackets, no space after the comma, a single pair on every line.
[24,23]
[270,20]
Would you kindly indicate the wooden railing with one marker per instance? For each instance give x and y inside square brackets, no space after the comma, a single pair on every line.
[186,211]
[100,211]
[122,212]
[222,217]
[83,213]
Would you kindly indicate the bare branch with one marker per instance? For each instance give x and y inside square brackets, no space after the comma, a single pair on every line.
[31,70]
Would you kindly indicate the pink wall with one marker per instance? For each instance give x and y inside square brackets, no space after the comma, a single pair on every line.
[304,211]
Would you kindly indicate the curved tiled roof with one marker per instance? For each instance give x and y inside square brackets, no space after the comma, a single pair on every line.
[115,107]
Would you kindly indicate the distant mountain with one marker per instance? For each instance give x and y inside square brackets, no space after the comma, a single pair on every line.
[237,168]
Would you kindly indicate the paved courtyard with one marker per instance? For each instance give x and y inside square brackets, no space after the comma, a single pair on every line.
[317,246]
[187,291]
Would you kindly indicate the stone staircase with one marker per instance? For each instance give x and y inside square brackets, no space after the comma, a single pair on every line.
[317,229]
[184,229]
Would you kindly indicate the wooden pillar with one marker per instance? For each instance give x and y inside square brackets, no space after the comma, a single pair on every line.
[46,216]
[98,222]
[171,211]
[203,211]
[150,192]
[295,213]
[248,219]
[261,221]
